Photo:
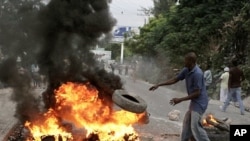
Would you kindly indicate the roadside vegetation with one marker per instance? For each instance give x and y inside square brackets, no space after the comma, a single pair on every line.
[217,30]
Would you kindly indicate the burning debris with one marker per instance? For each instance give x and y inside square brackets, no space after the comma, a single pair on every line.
[78,99]
[211,122]
[79,105]
[216,129]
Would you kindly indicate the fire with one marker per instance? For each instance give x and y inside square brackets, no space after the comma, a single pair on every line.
[80,105]
[49,125]
[211,118]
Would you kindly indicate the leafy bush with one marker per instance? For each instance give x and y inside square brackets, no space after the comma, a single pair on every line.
[246,83]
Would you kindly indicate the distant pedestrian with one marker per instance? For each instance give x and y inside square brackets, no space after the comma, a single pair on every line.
[126,70]
[208,76]
[224,84]
[236,76]
[112,65]
[134,68]
[120,68]
[35,75]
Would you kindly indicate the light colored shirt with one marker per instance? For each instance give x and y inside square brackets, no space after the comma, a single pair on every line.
[34,68]
[224,80]
[208,77]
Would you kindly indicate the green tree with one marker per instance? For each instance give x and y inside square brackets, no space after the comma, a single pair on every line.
[115,48]
[215,29]
[191,26]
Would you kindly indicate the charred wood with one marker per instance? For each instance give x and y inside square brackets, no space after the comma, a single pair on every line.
[218,124]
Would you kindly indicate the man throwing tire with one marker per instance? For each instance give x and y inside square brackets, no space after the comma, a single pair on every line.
[196,93]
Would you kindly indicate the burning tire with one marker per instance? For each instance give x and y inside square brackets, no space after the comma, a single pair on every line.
[128,102]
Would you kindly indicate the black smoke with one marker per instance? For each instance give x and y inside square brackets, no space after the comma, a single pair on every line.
[67,30]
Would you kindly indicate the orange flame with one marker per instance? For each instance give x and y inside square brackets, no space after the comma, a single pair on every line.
[211,118]
[49,125]
[80,105]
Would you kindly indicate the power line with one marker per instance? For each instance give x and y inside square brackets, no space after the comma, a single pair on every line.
[125,6]
[122,10]
[129,12]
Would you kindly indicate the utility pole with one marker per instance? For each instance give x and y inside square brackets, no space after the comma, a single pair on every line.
[144,12]
[122,48]
[122,51]
[119,38]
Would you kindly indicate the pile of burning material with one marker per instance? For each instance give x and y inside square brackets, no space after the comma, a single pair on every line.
[79,113]
[210,122]
[16,133]
[78,100]
[217,129]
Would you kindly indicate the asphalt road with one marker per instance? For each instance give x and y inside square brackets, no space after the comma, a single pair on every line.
[160,127]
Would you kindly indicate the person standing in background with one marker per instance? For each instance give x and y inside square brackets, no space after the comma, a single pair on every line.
[224,85]
[35,75]
[236,76]
[208,76]
[126,69]
[112,65]
[134,68]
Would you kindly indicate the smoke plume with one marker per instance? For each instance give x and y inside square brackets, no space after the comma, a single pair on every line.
[67,30]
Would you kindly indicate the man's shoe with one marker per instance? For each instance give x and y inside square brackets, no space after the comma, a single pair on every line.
[221,108]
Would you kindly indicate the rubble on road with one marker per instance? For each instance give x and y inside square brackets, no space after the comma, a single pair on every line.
[174,115]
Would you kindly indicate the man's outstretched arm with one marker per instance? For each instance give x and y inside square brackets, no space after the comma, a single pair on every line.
[168,82]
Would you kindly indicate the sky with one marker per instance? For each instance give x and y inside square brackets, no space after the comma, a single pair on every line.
[128,12]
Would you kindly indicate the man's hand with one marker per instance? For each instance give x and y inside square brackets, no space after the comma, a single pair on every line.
[153,87]
[175,101]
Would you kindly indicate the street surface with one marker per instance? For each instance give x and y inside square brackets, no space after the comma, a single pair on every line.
[160,128]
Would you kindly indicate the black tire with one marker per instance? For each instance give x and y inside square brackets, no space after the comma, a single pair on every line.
[128,102]
[49,138]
